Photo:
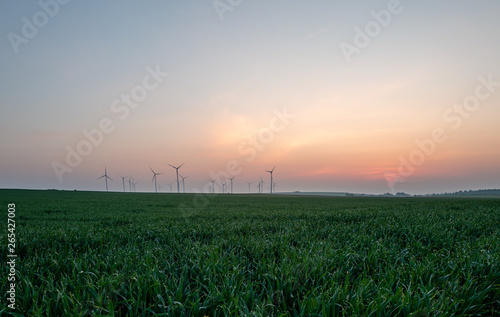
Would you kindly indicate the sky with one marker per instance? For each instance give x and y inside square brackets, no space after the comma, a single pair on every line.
[339,96]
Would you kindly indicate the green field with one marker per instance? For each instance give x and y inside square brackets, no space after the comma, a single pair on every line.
[91,253]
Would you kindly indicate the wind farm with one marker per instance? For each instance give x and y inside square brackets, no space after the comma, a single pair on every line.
[226,183]
[277,158]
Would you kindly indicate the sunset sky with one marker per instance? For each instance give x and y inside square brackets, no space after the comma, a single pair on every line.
[338,95]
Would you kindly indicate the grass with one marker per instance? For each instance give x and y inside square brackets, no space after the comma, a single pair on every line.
[93,254]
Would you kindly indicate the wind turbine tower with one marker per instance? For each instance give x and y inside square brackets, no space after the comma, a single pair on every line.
[177,172]
[249,183]
[213,186]
[232,184]
[105,177]
[271,186]
[154,178]
[183,185]
[134,183]
[261,186]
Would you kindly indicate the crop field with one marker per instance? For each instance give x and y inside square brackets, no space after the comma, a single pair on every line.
[138,254]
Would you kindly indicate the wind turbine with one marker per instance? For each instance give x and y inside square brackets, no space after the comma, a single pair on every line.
[130,184]
[213,186]
[134,183]
[105,177]
[223,187]
[177,171]
[261,186]
[249,183]
[170,186]
[154,178]
[123,180]
[232,184]
[183,187]
[271,172]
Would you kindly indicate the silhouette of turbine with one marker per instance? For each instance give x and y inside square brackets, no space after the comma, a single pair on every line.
[123,180]
[154,178]
[232,184]
[183,187]
[261,186]
[177,171]
[213,186]
[105,177]
[271,186]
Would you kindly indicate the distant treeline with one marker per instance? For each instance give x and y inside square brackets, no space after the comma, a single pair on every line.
[462,193]
[465,193]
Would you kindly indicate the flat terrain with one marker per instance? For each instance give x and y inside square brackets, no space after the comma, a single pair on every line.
[93,253]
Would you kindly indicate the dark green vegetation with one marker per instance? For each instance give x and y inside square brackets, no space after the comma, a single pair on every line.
[240,255]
